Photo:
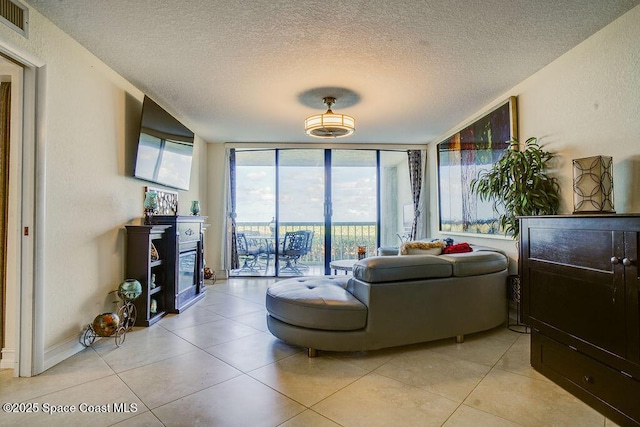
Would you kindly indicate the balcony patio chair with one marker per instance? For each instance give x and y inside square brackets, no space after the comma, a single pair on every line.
[248,252]
[307,251]
[294,246]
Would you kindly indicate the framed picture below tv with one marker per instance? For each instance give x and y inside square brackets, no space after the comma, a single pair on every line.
[165,148]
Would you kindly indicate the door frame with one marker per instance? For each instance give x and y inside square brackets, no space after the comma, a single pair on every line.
[30,174]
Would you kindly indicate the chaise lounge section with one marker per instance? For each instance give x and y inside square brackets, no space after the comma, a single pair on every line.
[392,301]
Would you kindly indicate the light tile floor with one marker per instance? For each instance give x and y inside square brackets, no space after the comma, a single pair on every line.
[217,365]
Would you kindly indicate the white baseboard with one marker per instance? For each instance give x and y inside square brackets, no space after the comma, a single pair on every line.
[62,351]
[8,360]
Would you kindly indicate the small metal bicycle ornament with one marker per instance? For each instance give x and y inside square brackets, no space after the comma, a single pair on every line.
[119,323]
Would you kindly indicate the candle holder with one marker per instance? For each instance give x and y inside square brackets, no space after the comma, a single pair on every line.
[150,205]
[195,207]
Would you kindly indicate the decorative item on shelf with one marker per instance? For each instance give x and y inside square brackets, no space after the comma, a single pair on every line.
[154,253]
[153,281]
[593,185]
[195,207]
[150,205]
[167,201]
[362,252]
[153,306]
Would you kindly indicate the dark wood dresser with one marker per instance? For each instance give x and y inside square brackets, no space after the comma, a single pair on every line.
[580,286]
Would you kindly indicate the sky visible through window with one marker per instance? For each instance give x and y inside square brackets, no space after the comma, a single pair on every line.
[302,194]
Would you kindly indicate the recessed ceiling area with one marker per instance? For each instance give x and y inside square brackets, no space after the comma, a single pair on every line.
[248,71]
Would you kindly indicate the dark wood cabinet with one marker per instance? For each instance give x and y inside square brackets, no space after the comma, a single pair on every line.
[149,270]
[580,286]
[185,259]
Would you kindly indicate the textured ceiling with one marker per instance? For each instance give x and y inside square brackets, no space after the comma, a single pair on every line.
[248,71]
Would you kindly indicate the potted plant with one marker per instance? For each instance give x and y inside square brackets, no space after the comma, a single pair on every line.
[518,185]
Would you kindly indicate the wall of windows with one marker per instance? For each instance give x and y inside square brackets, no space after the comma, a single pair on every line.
[341,199]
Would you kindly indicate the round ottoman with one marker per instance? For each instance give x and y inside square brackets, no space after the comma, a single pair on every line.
[316,303]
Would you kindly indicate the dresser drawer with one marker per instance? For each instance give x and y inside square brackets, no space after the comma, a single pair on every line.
[188,231]
[608,390]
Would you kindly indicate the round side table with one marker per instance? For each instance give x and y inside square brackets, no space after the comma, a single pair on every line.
[345,265]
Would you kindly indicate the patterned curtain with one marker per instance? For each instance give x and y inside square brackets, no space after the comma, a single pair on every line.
[5,118]
[415,179]
[232,209]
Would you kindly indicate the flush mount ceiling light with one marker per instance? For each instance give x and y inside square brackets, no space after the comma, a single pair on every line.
[329,124]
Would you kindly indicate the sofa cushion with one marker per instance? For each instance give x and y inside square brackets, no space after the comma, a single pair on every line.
[476,262]
[316,303]
[389,269]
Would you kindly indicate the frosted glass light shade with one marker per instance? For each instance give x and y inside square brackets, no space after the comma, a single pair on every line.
[593,185]
[330,125]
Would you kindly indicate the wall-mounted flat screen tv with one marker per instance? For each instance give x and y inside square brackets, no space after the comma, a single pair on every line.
[165,148]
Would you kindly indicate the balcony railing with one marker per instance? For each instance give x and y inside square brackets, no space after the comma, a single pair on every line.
[345,237]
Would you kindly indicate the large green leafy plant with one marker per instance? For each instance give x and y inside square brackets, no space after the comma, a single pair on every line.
[518,184]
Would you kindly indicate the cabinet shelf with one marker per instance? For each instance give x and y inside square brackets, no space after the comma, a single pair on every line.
[141,267]
[154,318]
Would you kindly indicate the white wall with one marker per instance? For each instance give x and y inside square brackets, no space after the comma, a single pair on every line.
[585,103]
[92,115]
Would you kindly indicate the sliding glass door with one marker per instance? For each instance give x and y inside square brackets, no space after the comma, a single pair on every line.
[255,210]
[354,203]
[298,210]
[301,212]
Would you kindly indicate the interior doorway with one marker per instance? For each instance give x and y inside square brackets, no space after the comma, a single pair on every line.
[10,142]
[23,311]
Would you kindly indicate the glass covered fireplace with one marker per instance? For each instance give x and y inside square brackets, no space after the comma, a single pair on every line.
[187,270]
[185,263]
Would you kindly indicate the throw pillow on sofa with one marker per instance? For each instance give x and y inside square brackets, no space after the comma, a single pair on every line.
[457,249]
[422,248]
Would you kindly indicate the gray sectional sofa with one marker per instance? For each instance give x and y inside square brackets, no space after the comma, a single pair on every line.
[392,301]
